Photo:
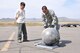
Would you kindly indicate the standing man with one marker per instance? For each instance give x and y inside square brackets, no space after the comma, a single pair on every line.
[49,18]
[20,19]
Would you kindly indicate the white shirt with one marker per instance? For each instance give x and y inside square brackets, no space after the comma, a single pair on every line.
[21,16]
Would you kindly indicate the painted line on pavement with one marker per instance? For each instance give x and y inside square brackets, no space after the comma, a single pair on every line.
[6,46]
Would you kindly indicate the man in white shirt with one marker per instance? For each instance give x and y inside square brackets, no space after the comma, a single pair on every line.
[49,18]
[20,19]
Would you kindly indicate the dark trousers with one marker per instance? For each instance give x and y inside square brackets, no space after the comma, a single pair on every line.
[22,30]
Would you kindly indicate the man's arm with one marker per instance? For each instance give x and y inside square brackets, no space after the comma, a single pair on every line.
[55,19]
[17,15]
[43,18]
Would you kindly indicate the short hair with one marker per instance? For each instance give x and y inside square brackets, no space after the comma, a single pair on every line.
[44,7]
[22,4]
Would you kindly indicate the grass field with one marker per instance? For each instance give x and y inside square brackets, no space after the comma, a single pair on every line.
[27,23]
[32,23]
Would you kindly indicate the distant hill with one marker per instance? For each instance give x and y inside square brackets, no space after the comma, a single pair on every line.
[7,19]
[65,19]
[61,19]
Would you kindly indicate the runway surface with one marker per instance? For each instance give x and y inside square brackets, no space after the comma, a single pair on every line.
[70,38]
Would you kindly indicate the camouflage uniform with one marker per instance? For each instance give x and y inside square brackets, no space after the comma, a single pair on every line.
[50,19]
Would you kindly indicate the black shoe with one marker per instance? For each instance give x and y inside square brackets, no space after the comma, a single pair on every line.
[25,40]
[19,41]
[45,27]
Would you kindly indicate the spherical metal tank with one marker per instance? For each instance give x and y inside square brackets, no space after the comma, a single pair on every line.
[50,36]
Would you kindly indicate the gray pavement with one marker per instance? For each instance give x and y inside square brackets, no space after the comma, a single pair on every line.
[70,38]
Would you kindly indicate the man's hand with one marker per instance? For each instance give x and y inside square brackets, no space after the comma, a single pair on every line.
[17,15]
[16,18]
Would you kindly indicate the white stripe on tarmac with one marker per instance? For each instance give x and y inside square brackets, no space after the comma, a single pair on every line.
[6,46]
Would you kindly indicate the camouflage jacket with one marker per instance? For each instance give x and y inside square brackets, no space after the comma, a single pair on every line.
[50,17]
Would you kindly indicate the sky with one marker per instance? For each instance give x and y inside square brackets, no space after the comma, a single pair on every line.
[62,8]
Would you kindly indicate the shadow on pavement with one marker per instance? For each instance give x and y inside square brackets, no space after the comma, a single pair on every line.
[35,40]
[64,43]
[5,40]
[20,46]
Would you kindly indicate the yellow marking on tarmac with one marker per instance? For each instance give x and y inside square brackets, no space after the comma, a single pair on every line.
[6,46]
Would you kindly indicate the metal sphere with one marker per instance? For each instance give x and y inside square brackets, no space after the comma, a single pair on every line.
[50,36]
